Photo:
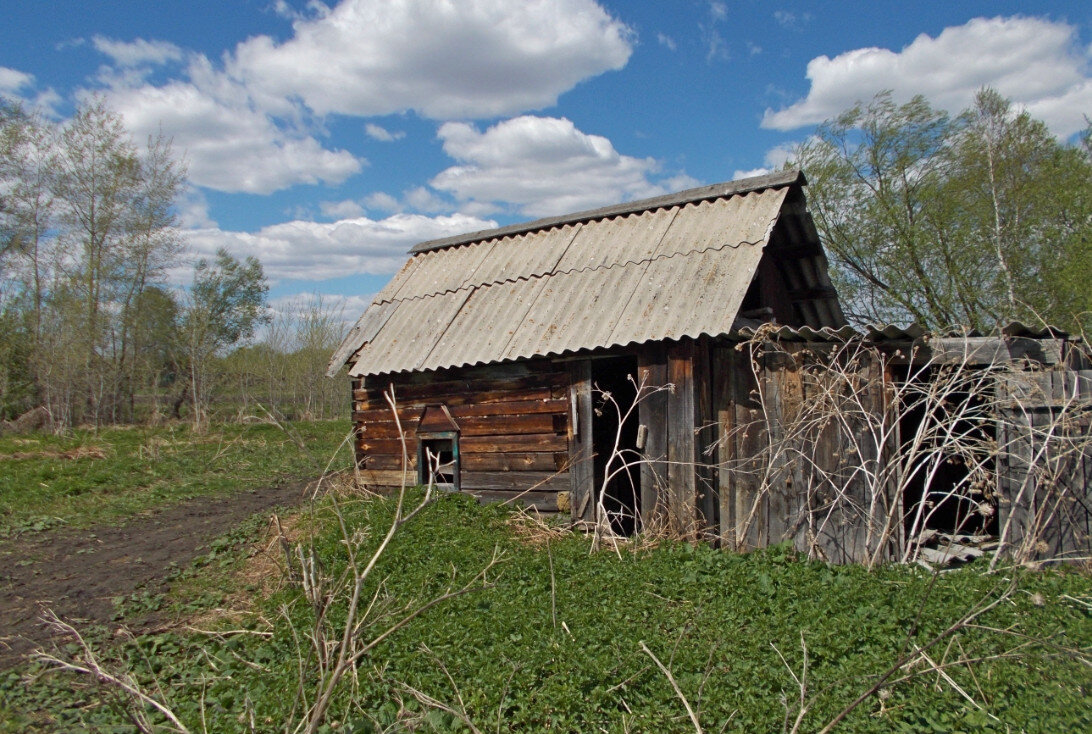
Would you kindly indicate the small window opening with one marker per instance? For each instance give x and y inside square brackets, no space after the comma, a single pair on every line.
[438,448]
[441,456]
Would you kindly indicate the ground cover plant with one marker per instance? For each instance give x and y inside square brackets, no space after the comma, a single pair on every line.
[665,637]
[91,476]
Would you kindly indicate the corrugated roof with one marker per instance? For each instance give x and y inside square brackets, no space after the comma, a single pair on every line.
[666,268]
[896,333]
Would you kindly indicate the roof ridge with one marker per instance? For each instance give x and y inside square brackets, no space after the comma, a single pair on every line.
[714,191]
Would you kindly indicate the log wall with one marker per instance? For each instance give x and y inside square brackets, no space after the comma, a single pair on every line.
[513,421]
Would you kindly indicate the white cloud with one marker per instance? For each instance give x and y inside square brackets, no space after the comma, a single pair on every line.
[382,201]
[667,41]
[300,306]
[303,250]
[228,142]
[542,165]
[382,134]
[12,80]
[474,58]
[341,209]
[137,53]
[19,86]
[718,10]
[1035,62]
[774,159]
[193,209]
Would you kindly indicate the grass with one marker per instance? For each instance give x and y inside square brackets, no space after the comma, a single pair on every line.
[555,642]
[110,474]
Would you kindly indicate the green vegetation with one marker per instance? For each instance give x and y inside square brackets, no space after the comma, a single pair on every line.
[553,641]
[973,220]
[94,476]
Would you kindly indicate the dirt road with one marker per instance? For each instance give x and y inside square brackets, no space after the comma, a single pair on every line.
[78,573]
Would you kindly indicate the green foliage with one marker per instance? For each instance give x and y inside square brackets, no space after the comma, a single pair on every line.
[90,476]
[719,621]
[86,227]
[228,300]
[974,220]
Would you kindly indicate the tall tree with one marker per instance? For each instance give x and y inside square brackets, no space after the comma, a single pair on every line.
[86,226]
[971,221]
[225,306]
[119,234]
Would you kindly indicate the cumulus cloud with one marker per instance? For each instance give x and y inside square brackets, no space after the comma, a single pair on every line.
[304,250]
[345,209]
[471,59]
[542,165]
[253,123]
[382,201]
[228,142]
[382,134]
[1036,62]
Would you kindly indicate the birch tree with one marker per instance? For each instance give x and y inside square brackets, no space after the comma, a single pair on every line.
[974,220]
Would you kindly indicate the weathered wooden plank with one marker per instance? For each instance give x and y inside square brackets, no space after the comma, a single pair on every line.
[513,443]
[475,444]
[544,481]
[652,414]
[525,461]
[581,449]
[452,399]
[780,478]
[432,390]
[541,501]
[705,437]
[681,441]
[514,407]
[386,477]
[388,462]
[504,425]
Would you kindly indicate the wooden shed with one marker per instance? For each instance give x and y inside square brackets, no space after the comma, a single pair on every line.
[581,363]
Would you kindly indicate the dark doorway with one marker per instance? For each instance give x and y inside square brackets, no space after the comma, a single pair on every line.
[614,440]
[942,492]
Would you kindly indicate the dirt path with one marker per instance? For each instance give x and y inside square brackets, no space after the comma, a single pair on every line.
[78,573]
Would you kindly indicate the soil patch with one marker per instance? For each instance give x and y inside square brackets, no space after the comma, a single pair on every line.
[78,573]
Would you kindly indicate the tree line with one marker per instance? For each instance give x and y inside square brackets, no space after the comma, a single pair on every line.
[971,220]
[90,329]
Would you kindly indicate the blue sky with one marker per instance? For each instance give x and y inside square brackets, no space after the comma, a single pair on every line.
[327,139]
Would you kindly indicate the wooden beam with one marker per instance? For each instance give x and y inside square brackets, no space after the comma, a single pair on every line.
[681,442]
[652,414]
[581,450]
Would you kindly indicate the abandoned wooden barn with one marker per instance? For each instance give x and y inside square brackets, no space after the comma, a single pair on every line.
[615,365]
[501,344]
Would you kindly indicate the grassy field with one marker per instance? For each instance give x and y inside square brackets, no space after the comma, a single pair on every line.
[557,638]
[111,474]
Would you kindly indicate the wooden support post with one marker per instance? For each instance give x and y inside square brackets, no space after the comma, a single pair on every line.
[681,442]
[581,450]
[652,413]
